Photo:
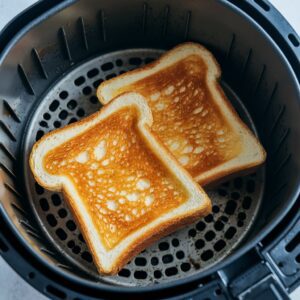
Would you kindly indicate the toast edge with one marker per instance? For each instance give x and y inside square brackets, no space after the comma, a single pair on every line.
[149,236]
[142,242]
[213,77]
[155,66]
[145,118]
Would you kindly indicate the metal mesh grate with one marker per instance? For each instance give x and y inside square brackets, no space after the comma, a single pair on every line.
[190,250]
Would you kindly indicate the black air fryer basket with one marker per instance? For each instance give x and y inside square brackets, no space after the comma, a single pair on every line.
[52,58]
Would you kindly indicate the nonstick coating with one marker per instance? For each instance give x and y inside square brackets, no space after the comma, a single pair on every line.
[256,75]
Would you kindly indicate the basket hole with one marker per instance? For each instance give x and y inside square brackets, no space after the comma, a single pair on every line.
[124,273]
[209,218]
[224,219]
[56,199]
[230,207]
[157,274]
[31,275]
[92,73]
[54,105]
[80,112]
[76,249]
[200,244]
[219,225]
[298,258]
[97,83]
[149,60]
[71,244]
[247,202]
[219,245]
[242,216]
[107,66]
[185,267]
[280,264]
[154,261]
[135,61]
[79,81]
[231,231]
[80,236]
[293,40]
[44,204]
[206,255]
[122,72]
[73,120]
[63,114]
[192,232]
[262,4]
[175,242]
[210,235]
[44,124]
[51,220]
[94,99]
[46,116]
[39,134]
[240,223]
[222,192]
[163,246]
[39,189]
[63,95]
[250,186]
[200,226]
[215,209]
[238,183]
[171,271]
[293,243]
[61,234]
[87,90]
[140,261]
[235,195]
[57,124]
[109,76]
[62,213]
[168,258]
[87,256]
[180,254]
[55,292]
[72,104]
[140,275]
[71,225]
[119,62]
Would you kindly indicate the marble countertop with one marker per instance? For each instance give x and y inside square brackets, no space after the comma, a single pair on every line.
[16,288]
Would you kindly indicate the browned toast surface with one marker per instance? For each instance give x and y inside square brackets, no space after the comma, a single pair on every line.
[191,113]
[185,116]
[122,183]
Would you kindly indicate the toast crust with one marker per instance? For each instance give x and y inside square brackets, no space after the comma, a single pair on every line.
[242,149]
[110,261]
[144,241]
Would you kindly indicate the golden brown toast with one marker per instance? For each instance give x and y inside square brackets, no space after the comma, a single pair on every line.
[124,187]
[192,115]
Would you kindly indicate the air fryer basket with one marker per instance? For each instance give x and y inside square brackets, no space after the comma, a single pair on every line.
[49,71]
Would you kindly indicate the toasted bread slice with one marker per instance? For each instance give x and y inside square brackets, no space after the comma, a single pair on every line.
[124,187]
[192,115]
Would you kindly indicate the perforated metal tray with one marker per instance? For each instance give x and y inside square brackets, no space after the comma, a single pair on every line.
[190,250]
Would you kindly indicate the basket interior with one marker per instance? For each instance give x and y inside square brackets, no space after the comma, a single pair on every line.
[51,73]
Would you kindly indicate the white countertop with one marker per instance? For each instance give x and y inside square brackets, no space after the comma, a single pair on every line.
[16,288]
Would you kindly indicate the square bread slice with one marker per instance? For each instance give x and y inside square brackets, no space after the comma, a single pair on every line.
[191,113]
[123,186]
